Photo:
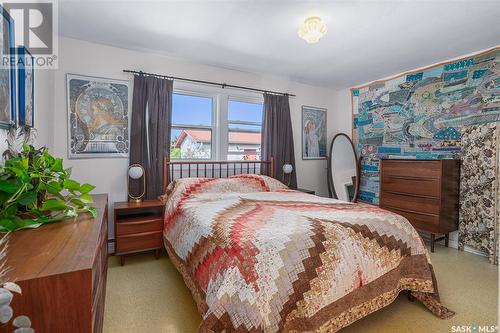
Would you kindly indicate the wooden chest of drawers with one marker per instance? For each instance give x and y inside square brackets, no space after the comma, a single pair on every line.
[426,192]
[138,227]
[61,268]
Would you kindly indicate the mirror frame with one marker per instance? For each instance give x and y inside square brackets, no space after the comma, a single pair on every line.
[331,186]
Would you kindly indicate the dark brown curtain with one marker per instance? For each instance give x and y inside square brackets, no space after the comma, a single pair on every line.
[277,136]
[150,130]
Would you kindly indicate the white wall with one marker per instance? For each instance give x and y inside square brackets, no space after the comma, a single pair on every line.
[44,105]
[341,113]
[109,174]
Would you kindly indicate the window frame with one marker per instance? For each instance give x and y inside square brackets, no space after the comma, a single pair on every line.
[247,98]
[190,92]
[220,122]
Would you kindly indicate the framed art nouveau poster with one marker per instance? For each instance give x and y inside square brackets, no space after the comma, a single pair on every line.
[26,90]
[98,111]
[7,73]
[313,133]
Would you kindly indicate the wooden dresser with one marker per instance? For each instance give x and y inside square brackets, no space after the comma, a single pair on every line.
[426,192]
[61,269]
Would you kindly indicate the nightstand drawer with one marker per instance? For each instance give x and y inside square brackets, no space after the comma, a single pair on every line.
[139,242]
[138,225]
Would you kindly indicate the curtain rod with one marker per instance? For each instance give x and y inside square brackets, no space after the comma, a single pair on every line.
[223,85]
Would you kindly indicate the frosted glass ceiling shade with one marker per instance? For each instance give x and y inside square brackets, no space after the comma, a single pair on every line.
[312,30]
[135,172]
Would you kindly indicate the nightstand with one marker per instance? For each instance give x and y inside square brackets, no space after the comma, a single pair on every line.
[306,191]
[138,227]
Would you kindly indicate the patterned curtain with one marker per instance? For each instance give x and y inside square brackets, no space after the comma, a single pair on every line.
[150,130]
[480,190]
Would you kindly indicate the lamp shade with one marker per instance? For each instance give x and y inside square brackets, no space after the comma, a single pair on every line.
[287,168]
[135,172]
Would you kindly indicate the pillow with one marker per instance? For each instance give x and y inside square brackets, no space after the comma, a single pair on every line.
[240,183]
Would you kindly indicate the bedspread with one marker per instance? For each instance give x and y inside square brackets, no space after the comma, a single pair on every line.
[259,257]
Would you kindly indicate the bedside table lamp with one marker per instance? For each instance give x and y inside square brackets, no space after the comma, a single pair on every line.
[287,170]
[136,171]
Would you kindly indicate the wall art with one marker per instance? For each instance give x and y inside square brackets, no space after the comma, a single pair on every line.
[98,110]
[421,114]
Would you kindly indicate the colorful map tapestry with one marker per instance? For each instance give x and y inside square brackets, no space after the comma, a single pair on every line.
[421,114]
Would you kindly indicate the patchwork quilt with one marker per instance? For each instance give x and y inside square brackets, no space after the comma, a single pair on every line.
[259,257]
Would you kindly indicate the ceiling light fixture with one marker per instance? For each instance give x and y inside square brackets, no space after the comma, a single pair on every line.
[312,29]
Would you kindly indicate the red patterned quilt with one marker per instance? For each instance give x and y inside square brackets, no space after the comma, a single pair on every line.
[259,257]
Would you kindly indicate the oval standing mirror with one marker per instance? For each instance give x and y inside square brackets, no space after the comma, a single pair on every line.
[343,169]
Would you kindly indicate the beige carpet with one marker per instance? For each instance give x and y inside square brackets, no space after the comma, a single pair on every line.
[148,295]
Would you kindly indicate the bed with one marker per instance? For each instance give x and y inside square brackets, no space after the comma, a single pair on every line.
[259,257]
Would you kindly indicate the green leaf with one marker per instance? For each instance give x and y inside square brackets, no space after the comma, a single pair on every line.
[28,223]
[53,204]
[54,187]
[87,198]
[10,211]
[10,186]
[58,165]
[7,224]
[71,185]
[4,197]
[27,198]
[39,213]
[86,188]
[92,211]
[68,172]
[25,163]
[77,202]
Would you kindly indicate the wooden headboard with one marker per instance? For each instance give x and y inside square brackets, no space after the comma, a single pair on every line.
[214,169]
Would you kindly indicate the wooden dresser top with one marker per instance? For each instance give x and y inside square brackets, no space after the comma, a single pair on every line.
[56,248]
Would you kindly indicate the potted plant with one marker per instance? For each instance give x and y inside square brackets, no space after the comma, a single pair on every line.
[35,189]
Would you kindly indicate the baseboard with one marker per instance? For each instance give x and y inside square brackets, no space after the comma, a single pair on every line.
[454,244]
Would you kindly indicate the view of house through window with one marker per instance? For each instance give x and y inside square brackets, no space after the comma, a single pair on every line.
[191,136]
[194,131]
[244,130]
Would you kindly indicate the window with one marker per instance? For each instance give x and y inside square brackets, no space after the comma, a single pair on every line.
[191,132]
[212,123]
[244,123]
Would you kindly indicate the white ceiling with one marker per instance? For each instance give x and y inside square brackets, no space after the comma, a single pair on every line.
[366,40]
